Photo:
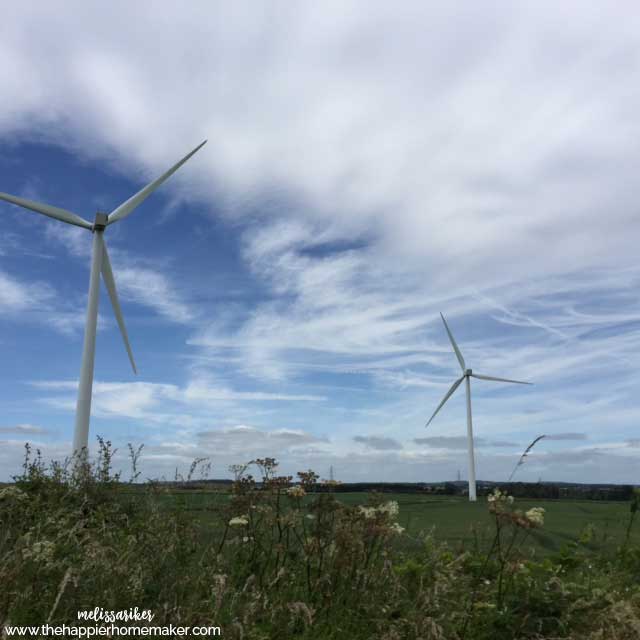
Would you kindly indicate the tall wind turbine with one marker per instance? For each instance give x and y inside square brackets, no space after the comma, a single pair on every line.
[100,263]
[467,374]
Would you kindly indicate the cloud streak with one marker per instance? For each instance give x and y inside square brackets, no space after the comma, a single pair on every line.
[378,443]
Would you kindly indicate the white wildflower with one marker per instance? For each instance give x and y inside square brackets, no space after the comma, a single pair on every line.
[296,492]
[368,512]
[13,492]
[391,508]
[535,516]
[239,521]
[40,551]
[396,528]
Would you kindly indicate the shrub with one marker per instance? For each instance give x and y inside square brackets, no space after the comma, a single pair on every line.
[278,558]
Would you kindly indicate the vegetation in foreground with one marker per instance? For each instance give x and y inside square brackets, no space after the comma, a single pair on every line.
[282,562]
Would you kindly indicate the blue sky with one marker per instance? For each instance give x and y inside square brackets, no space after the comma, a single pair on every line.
[367,168]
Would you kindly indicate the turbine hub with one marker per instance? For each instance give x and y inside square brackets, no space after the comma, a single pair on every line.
[468,372]
[100,222]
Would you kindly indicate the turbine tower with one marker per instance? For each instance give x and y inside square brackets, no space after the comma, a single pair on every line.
[100,263]
[467,374]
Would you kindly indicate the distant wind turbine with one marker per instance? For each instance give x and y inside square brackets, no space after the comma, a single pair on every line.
[100,263]
[466,375]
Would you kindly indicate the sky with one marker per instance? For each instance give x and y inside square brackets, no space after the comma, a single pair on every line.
[368,166]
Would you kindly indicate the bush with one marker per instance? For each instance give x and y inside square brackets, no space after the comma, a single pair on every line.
[280,559]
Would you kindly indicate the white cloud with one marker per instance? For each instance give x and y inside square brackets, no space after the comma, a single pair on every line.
[24,429]
[152,289]
[247,440]
[567,436]
[19,296]
[138,283]
[460,442]
[518,138]
[150,402]
[39,303]
[378,443]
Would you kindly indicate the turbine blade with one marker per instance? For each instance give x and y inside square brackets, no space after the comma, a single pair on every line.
[454,386]
[477,375]
[454,345]
[107,275]
[524,455]
[48,210]
[127,207]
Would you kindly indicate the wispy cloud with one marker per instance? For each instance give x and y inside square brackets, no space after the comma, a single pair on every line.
[161,403]
[24,429]
[247,439]
[378,443]
[460,442]
[19,296]
[153,289]
[147,285]
[567,436]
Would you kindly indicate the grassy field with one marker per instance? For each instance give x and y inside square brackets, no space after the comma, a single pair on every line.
[460,523]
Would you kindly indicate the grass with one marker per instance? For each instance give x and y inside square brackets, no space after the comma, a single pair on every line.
[459,523]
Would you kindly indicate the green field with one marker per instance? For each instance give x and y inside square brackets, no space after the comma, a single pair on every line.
[460,523]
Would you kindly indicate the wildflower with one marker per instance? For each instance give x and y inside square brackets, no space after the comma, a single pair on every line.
[368,512]
[499,501]
[13,492]
[40,551]
[391,508]
[296,492]
[239,521]
[396,528]
[310,516]
[535,516]
[499,496]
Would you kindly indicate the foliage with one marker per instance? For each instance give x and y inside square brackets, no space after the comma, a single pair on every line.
[283,559]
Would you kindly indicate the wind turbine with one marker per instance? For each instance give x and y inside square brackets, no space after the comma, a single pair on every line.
[100,263]
[467,374]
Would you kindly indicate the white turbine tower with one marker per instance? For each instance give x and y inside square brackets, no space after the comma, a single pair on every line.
[466,375]
[99,264]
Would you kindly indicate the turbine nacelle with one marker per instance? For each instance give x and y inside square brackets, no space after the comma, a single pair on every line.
[468,373]
[101,221]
